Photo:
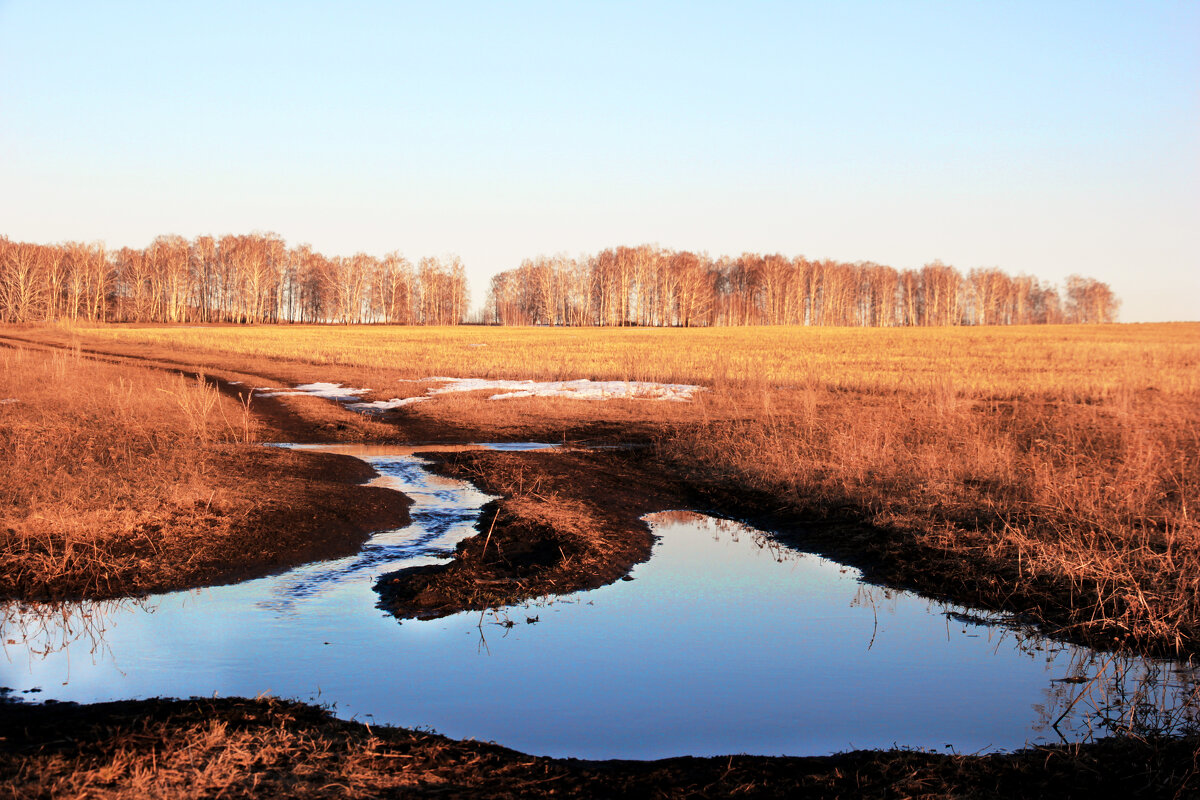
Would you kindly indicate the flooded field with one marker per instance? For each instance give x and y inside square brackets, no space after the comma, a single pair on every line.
[723,642]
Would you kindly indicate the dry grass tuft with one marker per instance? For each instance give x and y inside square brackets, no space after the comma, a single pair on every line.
[118,480]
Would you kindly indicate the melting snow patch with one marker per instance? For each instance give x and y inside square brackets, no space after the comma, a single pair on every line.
[343,394]
[330,391]
[578,390]
[384,405]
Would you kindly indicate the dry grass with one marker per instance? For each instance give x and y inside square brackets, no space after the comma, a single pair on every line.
[105,469]
[121,480]
[267,748]
[211,757]
[1074,363]
[1078,513]
[1058,466]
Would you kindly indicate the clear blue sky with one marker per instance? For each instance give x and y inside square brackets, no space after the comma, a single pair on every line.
[1045,138]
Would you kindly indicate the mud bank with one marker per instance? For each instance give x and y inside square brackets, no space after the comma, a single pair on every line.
[267,747]
[565,521]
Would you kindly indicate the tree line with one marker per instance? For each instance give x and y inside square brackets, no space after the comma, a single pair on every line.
[253,278]
[652,286]
[258,278]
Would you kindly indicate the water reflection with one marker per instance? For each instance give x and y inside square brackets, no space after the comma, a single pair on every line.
[45,628]
[724,642]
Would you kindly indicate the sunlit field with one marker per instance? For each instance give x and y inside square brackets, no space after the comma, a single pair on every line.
[1049,471]
[121,480]
[1051,362]
[1055,463]
[106,468]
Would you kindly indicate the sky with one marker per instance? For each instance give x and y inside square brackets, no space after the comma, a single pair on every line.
[1042,138]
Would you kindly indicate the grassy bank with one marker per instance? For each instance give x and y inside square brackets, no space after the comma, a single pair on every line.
[242,748]
[118,480]
[564,522]
[1082,513]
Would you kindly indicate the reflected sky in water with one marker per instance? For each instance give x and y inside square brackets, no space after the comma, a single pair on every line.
[722,643]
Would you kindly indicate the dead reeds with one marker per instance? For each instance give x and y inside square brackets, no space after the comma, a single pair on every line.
[1075,511]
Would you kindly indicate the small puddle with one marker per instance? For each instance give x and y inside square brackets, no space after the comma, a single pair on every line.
[724,642]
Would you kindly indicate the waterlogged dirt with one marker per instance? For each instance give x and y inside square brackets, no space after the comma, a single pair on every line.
[910,558]
[271,748]
[566,520]
[312,420]
[311,506]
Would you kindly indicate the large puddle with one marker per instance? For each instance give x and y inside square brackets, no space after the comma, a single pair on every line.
[722,643]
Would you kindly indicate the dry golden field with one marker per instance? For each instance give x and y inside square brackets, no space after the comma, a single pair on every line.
[95,453]
[1079,363]
[1052,470]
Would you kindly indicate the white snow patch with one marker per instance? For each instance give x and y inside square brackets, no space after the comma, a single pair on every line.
[577,390]
[384,405]
[343,394]
[330,391]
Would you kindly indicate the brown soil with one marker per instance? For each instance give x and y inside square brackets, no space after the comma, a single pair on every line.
[566,521]
[310,420]
[569,521]
[271,748]
[296,419]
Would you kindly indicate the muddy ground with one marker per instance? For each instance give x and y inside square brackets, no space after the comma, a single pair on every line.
[566,521]
[261,510]
[569,520]
[266,747]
